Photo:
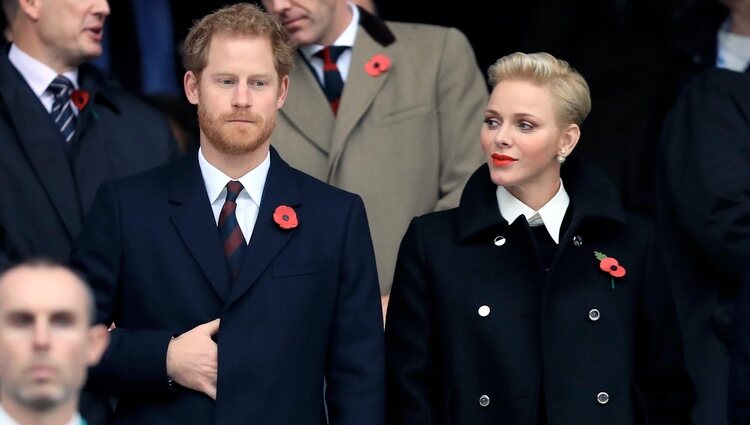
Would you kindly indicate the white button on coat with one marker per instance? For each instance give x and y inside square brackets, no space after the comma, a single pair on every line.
[594,315]
[499,240]
[484,400]
[484,311]
[602,398]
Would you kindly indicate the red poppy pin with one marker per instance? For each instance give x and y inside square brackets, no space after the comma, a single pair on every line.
[610,265]
[285,217]
[377,65]
[80,98]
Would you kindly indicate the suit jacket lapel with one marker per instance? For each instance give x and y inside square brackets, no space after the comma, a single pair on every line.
[40,139]
[98,99]
[359,92]
[195,223]
[304,103]
[268,238]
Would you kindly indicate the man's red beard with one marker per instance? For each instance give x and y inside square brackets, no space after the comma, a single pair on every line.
[235,139]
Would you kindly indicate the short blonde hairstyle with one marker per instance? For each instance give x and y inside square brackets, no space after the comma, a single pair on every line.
[570,93]
[242,19]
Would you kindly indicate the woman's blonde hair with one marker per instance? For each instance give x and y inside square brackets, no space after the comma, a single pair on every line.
[570,93]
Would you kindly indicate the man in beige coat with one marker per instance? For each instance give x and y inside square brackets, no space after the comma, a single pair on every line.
[406,134]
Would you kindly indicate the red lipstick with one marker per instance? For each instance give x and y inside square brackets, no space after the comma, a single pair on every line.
[502,160]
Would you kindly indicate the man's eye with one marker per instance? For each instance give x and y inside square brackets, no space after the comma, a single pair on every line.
[63,320]
[20,320]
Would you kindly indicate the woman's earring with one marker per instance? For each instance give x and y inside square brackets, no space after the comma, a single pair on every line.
[561,157]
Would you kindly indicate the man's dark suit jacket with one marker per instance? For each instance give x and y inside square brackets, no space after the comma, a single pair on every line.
[46,191]
[304,309]
[703,216]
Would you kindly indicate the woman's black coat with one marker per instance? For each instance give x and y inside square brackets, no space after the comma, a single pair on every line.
[475,324]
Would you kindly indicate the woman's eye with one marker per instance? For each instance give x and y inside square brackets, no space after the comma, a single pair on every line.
[491,122]
[525,126]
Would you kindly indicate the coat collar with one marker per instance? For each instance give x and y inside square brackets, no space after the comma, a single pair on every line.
[591,193]
[376,28]
[195,223]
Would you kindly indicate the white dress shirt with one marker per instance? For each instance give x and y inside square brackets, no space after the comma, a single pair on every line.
[552,212]
[732,50]
[345,39]
[5,419]
[39,76]
[248,201]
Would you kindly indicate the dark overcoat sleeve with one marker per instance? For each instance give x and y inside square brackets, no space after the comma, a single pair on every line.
[660,373]
[355,379]
[706,151]
[136,360]
[410,340]
[739,368]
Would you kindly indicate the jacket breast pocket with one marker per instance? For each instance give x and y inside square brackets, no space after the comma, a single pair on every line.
[406,113]
[287,269]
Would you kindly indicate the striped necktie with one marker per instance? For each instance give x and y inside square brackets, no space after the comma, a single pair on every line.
[333,84]
[229,229]
[62,109]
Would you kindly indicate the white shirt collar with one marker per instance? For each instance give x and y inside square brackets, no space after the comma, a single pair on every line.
[215,180]
[345,39]
[552,212]
[37,74]
[5,419]
[733,50]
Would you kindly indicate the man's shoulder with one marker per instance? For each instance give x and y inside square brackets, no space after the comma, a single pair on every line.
[314,188]
[152,180]
[116,95]
[421,31]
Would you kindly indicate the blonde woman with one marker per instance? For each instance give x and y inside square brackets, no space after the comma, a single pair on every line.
[538,300]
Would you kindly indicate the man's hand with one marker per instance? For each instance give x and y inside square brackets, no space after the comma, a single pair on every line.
[192,359]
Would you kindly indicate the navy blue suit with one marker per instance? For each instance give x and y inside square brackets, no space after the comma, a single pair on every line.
[304,309]
[47,191]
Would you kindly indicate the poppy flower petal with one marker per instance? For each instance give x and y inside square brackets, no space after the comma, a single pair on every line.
[80,98]
[606,264]
[285,217]
[618,272]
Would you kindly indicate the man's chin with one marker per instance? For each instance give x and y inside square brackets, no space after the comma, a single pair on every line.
[42,399]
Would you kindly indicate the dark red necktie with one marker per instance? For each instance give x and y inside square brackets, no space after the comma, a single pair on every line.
[333,85]
[229,229]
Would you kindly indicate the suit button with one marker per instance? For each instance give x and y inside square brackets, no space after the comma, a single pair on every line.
[594,315]
[484,311]
[602,398]
[499,240]
[484,400]
[577,241]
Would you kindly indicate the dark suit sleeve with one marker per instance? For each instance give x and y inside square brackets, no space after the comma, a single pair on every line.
[660,374]
[355,391]
[739,369]
[135,362]
[706,154]
[410,339]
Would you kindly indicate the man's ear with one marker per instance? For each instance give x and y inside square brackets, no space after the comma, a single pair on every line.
[283,90]
[192,87]
[98,343]
[30,8]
